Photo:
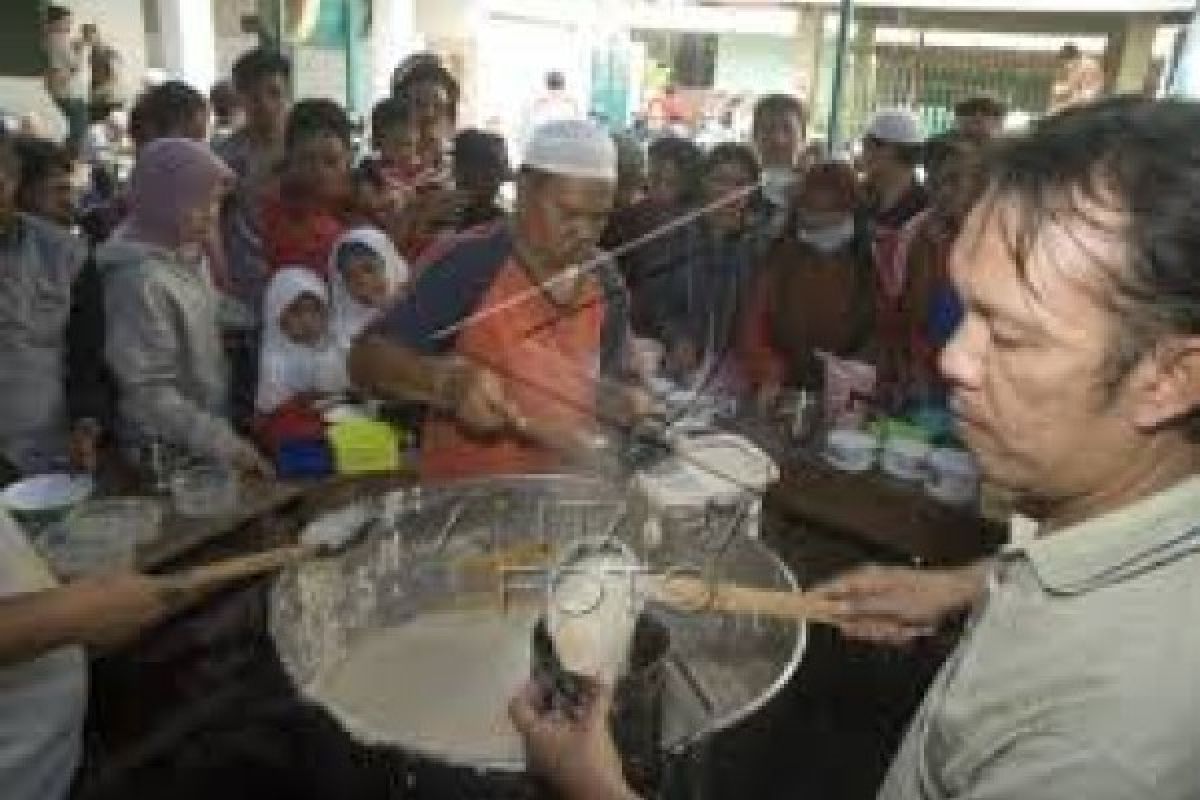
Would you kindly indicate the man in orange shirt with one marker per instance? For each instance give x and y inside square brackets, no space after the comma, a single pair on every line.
[510,336]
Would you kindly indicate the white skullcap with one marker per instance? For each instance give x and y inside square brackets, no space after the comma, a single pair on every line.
[572,147]
[896,126]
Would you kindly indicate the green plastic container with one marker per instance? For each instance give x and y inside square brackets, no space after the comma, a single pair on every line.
[365,445]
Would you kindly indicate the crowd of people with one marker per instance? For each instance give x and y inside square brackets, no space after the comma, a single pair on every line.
[754,258]
[152,308]
[240,278]
[750,265]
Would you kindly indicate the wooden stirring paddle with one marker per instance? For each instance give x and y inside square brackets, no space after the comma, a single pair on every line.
[314,542]
[684,593]
[210,576]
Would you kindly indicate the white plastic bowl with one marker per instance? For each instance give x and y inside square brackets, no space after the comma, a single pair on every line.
[43,499]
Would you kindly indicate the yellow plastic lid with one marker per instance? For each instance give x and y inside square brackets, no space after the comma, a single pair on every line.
[364,445]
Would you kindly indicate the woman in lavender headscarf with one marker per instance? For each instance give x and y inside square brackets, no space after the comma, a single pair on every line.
[163,341]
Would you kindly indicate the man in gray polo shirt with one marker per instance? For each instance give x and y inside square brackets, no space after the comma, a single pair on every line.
[1076,382]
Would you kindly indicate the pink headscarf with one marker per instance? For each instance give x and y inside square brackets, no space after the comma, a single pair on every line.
[172,177]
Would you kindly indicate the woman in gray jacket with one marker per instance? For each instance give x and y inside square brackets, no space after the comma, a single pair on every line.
[163,341]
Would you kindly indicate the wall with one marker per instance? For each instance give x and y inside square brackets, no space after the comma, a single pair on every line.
[514,57]
[316,72]
[189,41]
[122,25]
[1187,78]
[27,97]
[227,24]
[758,63]
[437,19]
[393,36]
[319,72]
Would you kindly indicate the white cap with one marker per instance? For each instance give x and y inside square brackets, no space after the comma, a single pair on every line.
[896,126]
[572,147]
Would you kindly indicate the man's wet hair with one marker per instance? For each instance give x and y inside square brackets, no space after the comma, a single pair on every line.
[1127,168]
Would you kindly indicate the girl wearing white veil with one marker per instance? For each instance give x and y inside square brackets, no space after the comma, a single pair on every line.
[299,362]
[366,273]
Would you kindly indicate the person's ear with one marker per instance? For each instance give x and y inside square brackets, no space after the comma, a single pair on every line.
[1166,385]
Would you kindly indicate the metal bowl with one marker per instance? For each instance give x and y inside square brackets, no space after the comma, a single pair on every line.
[437,550]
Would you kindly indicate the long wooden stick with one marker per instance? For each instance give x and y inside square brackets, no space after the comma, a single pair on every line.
[693,594]
[208,576]
[688,595]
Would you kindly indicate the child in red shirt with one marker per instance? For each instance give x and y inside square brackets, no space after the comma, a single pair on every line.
[306,213]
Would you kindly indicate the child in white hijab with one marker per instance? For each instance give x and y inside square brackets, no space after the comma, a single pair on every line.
[366,274]
[298,362]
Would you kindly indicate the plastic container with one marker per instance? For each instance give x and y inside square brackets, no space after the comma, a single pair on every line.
[952,477]
[849,391]
[304,459]
[93,541]
[364,445]
[905,459]
[142,515]
[728,465]
[205,491]
[887,428]
[851,450]
[43,500]
[698,491]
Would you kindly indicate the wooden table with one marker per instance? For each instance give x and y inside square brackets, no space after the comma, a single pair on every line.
[895,518]
[268,513]
[887,518]
[180,535]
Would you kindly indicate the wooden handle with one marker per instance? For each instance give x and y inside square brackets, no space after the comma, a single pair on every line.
[690,595]
[693,594]
[234,569]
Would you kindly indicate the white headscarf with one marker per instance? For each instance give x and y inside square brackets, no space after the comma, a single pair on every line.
[288,368]
[349,315]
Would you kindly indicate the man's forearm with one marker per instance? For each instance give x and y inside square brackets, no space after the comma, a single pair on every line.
[973,578]
[36,623]
[395,372]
